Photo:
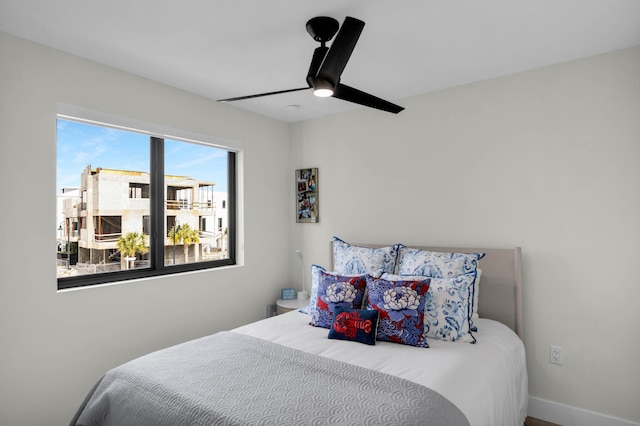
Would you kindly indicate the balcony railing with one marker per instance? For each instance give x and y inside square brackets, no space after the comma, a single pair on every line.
[186,205]
[207,234]
[106,237]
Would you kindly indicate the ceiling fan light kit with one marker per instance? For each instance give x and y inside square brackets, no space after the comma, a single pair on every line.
[328,63]
[322,89]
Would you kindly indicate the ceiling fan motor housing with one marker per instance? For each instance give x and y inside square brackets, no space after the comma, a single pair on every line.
[322,28]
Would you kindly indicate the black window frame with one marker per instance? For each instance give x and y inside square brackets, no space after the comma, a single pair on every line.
[157,219]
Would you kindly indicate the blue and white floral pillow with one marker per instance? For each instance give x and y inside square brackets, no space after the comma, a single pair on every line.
[436,264]
[447,307]
[348,259]
[316,272]
[442,265]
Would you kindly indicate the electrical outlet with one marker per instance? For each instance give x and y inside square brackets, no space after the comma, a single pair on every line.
[555,355]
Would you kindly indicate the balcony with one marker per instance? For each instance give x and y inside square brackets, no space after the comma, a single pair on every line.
[187,205]
[106,237]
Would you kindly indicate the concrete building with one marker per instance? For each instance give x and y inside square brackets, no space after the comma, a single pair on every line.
[111,203]
[67,232]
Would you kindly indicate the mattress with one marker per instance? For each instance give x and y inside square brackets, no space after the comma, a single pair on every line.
[487,380]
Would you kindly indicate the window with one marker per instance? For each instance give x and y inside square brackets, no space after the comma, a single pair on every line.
[138,190]
[107,228]
[146,224]
[132,205]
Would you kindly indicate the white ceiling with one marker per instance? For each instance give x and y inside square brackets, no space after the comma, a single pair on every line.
[221,49]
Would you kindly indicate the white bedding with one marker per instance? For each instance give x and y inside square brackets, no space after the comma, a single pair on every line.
[486,380]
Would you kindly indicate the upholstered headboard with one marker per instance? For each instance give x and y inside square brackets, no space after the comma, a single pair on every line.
[500,296]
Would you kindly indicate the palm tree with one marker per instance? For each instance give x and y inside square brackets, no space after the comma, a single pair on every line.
[175,236]
[189,236]
[129,245]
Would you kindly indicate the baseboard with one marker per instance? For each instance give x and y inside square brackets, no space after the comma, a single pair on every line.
[571,416]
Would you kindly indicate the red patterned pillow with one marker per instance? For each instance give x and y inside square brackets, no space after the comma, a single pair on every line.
[346,291]
[401,305]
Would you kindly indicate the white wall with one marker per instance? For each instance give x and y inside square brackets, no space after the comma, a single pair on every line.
[54,346]
[546,160]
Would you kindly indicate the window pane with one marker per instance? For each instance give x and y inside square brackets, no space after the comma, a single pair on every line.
[196,203]
[103,199]
[131,205]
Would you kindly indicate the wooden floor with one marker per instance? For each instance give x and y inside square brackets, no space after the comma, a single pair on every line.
[530,421]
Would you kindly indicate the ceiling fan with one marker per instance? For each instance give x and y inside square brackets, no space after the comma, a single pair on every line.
[327,64]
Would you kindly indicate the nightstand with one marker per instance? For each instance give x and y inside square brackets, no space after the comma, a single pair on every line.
[283,306]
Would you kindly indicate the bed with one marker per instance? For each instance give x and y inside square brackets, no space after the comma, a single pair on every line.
[282,370]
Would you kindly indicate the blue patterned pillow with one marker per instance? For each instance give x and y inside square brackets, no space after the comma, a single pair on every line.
[401,305]
[334,290]
[359,325]
[441,265]
[435,264]
[447,316]
[316,271]
[348,259]
[448,307]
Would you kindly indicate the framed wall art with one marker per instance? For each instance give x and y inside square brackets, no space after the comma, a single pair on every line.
[307,195]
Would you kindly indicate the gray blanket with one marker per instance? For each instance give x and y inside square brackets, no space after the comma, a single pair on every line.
[233,379]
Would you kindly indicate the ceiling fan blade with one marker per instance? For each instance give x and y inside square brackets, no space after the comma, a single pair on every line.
[340,51]
[259,95]
[350,94]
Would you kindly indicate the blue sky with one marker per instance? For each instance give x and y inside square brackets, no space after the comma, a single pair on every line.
[81,144]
